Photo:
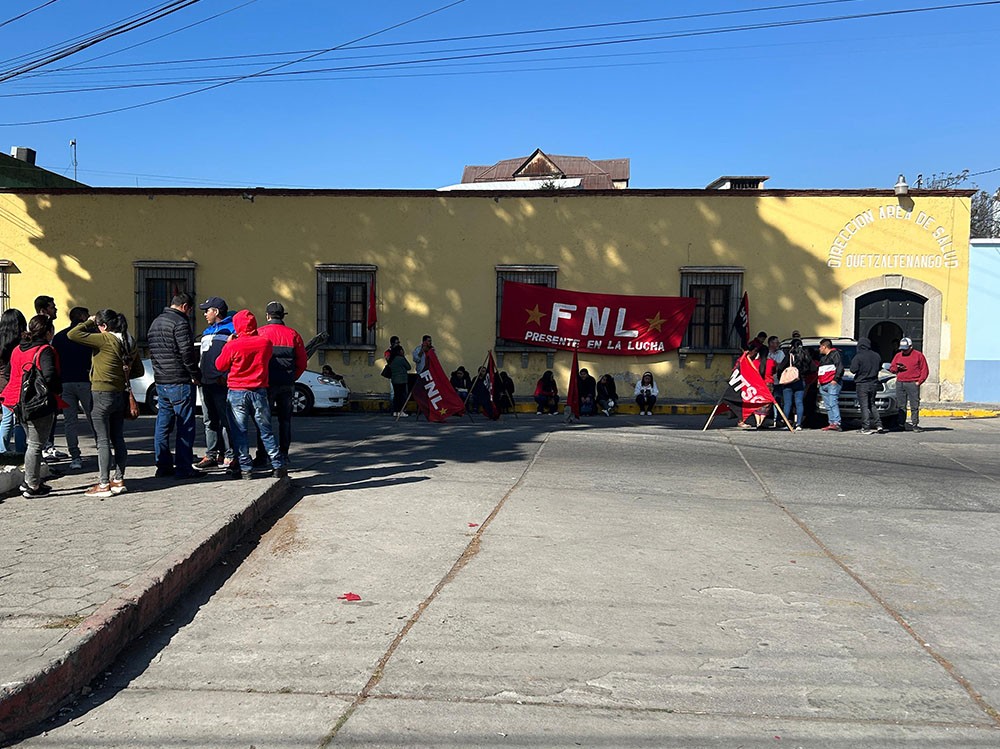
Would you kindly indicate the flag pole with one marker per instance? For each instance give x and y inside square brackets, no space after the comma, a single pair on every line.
[787,422]
[468,395]
[712,415]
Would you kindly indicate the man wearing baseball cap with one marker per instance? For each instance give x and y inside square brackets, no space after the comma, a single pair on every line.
[910,368]
[215,410]
[288,362]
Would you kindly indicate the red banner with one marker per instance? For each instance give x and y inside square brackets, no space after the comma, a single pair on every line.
[612,324]
[433,393]
[747,391]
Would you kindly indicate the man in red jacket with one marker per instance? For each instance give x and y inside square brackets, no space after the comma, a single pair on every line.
[910,368]
[288,362]
[246,357]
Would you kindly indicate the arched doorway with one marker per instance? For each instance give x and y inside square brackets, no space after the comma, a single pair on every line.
[930,299]
[887,315]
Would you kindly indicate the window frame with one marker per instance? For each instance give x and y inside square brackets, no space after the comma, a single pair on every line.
[351,274]
[521,273]
[159,270]
[714,276]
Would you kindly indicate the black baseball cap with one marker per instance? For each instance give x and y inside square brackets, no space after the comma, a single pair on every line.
[215,301]
[275,309]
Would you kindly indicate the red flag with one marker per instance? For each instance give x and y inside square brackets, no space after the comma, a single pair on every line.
[573,391]
[741,323]
[747,391]
[372,309]
[491,378]
[435,397]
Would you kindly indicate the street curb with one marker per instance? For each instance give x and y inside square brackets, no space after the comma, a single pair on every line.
[681,409]
[93,645]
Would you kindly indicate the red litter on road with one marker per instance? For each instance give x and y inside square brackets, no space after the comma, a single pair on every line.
[350,597]
[473,525]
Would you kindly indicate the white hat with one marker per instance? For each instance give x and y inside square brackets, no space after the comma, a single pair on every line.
[905,343]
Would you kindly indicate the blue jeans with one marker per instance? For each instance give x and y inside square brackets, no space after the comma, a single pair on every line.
[798,392]
[175,405]
[247,404]
[831,399]
[215,414]
[12,436]
[280,401]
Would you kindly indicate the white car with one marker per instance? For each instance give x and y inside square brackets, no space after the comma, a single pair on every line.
[312,390]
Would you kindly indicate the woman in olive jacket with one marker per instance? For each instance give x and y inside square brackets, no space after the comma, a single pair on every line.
[107,332]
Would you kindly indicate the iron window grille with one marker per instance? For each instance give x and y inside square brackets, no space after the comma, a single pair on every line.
[539,275]
[156,283]
[718,291]
[342,294]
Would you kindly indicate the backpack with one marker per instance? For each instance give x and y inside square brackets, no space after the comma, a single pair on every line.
[35,400]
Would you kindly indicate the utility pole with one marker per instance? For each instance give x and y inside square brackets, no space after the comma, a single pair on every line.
[72,145]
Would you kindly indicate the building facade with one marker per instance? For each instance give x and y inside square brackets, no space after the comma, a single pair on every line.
[836,263]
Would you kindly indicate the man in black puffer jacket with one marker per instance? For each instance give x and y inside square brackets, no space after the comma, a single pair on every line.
[176,373]
[866,365]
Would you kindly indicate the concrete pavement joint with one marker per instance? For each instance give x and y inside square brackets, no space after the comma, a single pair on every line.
[956,460]
[985,726]
[949,667]
[470,551]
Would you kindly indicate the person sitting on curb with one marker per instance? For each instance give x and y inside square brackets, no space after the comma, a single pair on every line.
[587,390]
[547,393]
[607,394]
[645,394]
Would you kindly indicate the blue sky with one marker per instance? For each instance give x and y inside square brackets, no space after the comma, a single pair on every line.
[848,104]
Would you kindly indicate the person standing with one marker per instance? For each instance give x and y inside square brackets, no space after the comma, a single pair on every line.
[35,352]
[74,365]
[12,325]
[866,365]
[214,401]
[288,361]
[399,378]
[246,357]
[794,387]
[115,352]
[829,377]
[176,374]
[46,305]
[910,368]
[420,354]
[776,355]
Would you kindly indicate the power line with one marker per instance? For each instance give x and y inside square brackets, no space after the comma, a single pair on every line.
[251,75]
[45,57]
[468,37]
[492,56]
[156,38]
[27,13]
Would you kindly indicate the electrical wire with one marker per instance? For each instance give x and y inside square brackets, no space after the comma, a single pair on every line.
[44,57]
[492,56]
[471,37]
[235,80]
[27,13]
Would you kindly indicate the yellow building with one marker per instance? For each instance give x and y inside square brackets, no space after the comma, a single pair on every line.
[833,263]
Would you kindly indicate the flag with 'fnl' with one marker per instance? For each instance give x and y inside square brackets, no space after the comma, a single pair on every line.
[435,397]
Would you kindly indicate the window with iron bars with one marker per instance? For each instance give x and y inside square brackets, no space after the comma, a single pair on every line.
[342,295]
[539,275]
[156,283]
[717,291]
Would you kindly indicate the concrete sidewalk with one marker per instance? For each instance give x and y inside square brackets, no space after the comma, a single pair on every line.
[81,578]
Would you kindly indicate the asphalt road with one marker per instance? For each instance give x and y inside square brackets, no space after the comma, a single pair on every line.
[628,582]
